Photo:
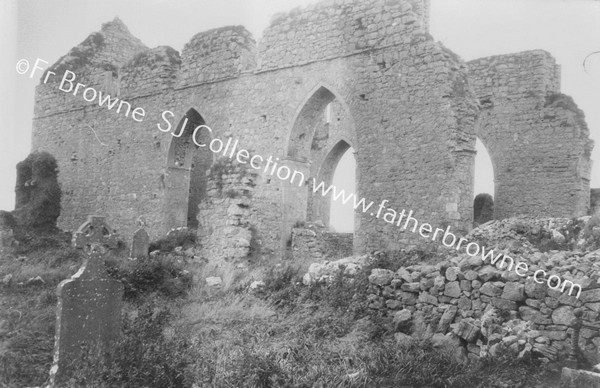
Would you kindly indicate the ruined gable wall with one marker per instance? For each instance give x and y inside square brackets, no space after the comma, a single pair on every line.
[405,94]
[537,138]
[91,146]
[337,28]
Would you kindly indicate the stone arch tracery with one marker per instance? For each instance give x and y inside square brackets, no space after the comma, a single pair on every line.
[322,131]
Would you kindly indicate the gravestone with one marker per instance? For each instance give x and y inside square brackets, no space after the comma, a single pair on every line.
[141,241]
[89,303]
[6,238]
[7,223]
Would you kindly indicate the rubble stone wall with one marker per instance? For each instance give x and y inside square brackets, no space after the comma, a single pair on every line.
[228,214]
[455,295]
[309,244]
[537,138]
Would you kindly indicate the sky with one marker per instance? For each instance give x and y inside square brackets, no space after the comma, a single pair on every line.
[48,29]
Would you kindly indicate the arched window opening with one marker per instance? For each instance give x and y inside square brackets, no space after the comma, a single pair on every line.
[328,114]
[187,164]
[341,218]
[322,132]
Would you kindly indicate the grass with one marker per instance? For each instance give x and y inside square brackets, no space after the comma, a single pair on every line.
[284,335]
[28,313]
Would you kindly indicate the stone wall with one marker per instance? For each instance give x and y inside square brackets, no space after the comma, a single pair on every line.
[338,28]
[227,215]
[537,138]
[406,106]
[313,243]
[216,55]
[595,202]
[458,294]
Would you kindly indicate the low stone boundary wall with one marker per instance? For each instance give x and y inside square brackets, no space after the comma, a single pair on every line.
[456,298]
[492,308]
[314,243]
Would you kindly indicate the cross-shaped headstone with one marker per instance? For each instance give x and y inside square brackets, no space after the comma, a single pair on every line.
[93,236]
[94,232]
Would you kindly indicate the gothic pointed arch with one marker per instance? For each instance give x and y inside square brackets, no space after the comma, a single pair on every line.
[322,119]
[321,205]
[185,175]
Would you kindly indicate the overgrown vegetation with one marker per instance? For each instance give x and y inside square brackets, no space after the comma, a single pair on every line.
[483,209]
[143,357]
[38,194]
[159,276]
[181,237]
[281,335]
[28,299]
[222,168]
[545,240]
[81,56]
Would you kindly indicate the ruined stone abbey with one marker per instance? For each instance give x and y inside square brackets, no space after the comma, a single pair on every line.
[340,74]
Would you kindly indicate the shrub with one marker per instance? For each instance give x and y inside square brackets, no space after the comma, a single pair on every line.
[180,237]
[7,219]
[38,193]
[32,241]
[149,276]
[543,240]
[280,286]
[592,241]
[483,208]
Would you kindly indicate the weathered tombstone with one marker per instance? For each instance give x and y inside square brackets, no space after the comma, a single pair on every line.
[89,303]
[6,238]
[141,241]
[7,224]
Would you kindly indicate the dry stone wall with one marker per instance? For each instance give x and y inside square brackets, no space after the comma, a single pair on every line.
[489,307]
[407,106]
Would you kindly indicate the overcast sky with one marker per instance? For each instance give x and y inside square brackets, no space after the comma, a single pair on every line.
[568,29]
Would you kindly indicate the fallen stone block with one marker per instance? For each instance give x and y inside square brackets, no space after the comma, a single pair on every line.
[468,330]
